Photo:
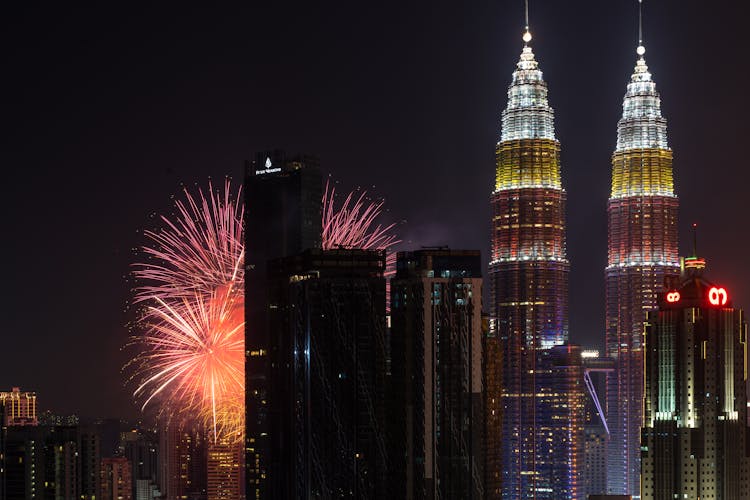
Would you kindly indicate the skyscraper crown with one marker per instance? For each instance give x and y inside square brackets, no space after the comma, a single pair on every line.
[528,114]
[642,126]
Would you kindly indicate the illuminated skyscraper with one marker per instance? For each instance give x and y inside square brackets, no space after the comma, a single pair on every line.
[224,470]
[695,438]
[529,283]
[642,217]
[182,457]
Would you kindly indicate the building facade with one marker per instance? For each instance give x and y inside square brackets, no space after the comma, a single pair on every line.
[282,217]
[182,460]
[116,479]
[328,369]
[528,276]
[435,392]
[642,257]
[224,479]
[695,438]
[19,407]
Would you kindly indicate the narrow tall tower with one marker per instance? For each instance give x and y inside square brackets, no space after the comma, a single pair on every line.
[642,217]
[528,282]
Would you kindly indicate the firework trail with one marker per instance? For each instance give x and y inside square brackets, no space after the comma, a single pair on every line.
[192,329]
[191,290]
[200,250]
[352,225]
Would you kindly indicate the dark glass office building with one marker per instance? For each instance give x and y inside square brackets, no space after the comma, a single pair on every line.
[282,217]
[327,375]
[435,393]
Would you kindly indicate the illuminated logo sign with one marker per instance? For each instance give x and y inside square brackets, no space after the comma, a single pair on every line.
[268,169]
[673,297]
[717,296]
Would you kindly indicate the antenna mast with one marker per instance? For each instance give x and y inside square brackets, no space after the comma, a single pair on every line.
[527,33]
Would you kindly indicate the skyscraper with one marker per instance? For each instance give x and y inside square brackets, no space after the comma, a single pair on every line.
[141,448]
[695,436]
[642,257]
[435,412]
[568,418]
[224,470]
[182,457]
[528,281]
[282,217]
[328,369]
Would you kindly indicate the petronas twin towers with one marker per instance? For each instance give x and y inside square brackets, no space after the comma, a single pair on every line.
[542,455]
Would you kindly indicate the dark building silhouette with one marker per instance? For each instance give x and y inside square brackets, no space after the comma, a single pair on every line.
[116,479]
[493,410]
[51,462]
[435,394]
[695,437]
[141,448]
[328,367]
[282,217]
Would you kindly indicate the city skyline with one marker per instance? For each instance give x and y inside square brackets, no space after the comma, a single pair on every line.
[104,171]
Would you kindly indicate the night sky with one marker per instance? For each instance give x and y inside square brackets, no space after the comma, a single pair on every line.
[107,112]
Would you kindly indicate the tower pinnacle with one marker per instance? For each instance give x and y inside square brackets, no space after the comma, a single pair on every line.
[640,50]
[527,34]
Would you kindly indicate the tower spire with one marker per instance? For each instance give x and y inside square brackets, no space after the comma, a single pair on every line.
[695,239]
[527,34]
[641,49]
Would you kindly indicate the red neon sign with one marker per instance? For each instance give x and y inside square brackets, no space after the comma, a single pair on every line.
[673,297]
[717,296]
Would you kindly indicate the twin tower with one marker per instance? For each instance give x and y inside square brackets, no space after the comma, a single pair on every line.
[541,448]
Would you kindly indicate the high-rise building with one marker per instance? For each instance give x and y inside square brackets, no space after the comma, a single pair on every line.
[435,409]
[224,470]
[567,412]
[595,429]
[141,448]
[23,472]
[695,438]
[528,282]
[89,460]
[282,217]
[182,457]
[328,370]
[116,479]
[19,407]
[642,257]
[493,410]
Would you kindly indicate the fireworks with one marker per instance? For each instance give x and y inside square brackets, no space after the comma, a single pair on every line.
[192,342]
[353,225]
[191,291]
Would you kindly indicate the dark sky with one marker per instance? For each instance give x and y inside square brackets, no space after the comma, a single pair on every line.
[108,111]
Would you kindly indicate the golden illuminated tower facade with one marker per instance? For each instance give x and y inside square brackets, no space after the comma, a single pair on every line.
[642,257]
[529,293]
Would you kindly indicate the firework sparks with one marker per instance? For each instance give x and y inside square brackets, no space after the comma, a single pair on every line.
[192,328]
[191,289]
[352,225]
